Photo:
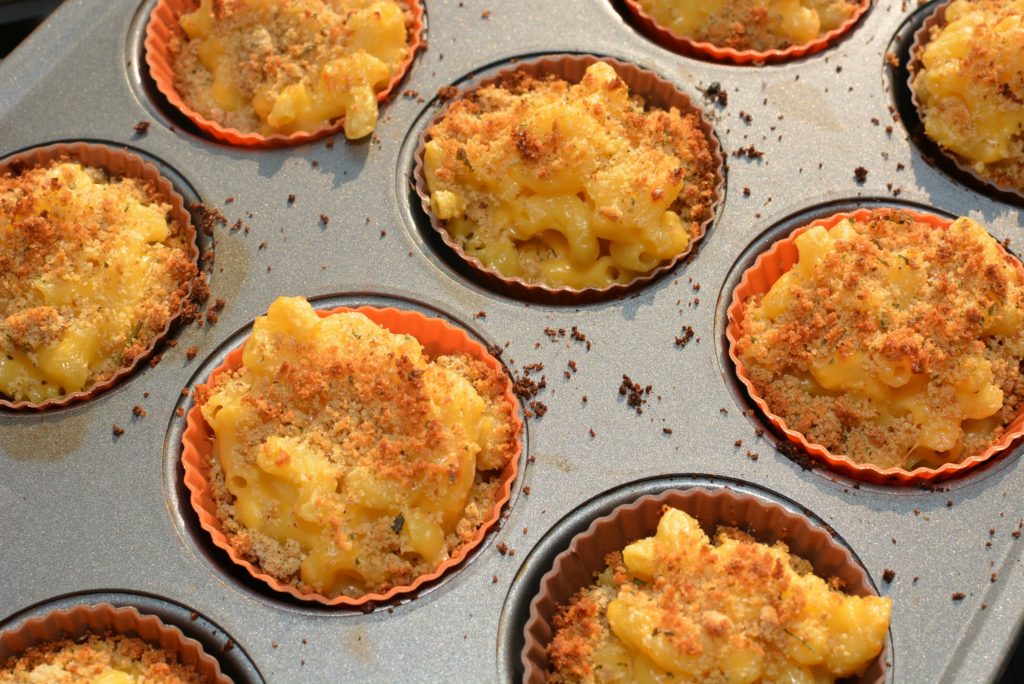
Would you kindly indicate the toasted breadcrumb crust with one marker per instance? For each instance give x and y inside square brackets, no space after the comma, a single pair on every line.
[977,102]
[747,24]
[964,284]
[649,150]
[53,237]
[292,48]
[372,411]
[70,662]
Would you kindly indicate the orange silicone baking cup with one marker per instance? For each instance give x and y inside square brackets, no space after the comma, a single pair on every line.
[571,68]
[116,162]
[766,521]
[104,619]
[668,38]
[163,26]
[438,338]
[759,278]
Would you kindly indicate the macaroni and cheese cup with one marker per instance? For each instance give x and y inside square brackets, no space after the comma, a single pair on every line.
[571,68]
[438,338]
[117,162]
[758,279]
[163,28]
[935,21]
[671,40]
[105,620]
[767,522]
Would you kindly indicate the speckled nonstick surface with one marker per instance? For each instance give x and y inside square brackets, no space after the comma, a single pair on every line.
[85,511]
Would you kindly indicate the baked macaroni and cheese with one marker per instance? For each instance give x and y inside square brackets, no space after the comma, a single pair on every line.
[679,607]
[285,66]
[346,461]
[751,24]
[92,269]
[98,660]
[893,340]
[569,185]
[970,87]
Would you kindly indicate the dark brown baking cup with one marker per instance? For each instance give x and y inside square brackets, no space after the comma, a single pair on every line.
[668,38]
[767,522]
[935,21]
[104,619]
[163,27]
[655,91]
[116,162]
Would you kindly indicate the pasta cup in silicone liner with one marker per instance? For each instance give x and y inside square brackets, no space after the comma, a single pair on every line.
[163,29]
[104,620]
[437,338]
[656,92]
[671,40]
[758,279]
[765,521]
[1001,182]
[117,163]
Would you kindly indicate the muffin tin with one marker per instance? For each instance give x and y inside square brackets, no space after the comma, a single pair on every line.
[85,511]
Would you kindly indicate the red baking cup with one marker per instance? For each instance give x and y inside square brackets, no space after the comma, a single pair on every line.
[163,26]
[570,68]
[116,162]
[438,338]
[104,619]
[668,38]
[922,37]
[767,522]
[760,277]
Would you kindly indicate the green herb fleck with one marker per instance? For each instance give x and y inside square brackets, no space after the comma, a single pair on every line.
[463,157]
[806,645]
[398,523]
[905,259]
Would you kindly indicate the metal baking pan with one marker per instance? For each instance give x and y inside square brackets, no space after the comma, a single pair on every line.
[84,511]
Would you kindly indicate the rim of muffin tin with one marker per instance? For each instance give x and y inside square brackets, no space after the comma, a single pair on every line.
[193,523]
[642,82]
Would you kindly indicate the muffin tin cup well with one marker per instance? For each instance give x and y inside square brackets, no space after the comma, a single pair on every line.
[438,338]
[935,21]
[104,619]
[641,82]
[758,279]
[671,40]
[116,162]
[163,28]
[766,521]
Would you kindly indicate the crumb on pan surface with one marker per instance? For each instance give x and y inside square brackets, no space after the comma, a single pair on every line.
[970,87]
[346,461]
[272,66]
[893,341]
[575,185]
[92,269]
[751,24]
[678,606]
[97,660]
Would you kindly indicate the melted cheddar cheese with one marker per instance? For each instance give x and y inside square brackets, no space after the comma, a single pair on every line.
[892,341]
[98,660]
[273,66]
[92,269]
[676,607]
[569,185]
[346,461]
[750,24]
[971,87]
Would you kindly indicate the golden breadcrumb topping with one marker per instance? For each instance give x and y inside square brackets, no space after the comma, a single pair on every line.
[893,341]
[92,269]
[282,66]
[751,24]
[577,185]
[98,660]
[679,607]
[971,87]
[347,461]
